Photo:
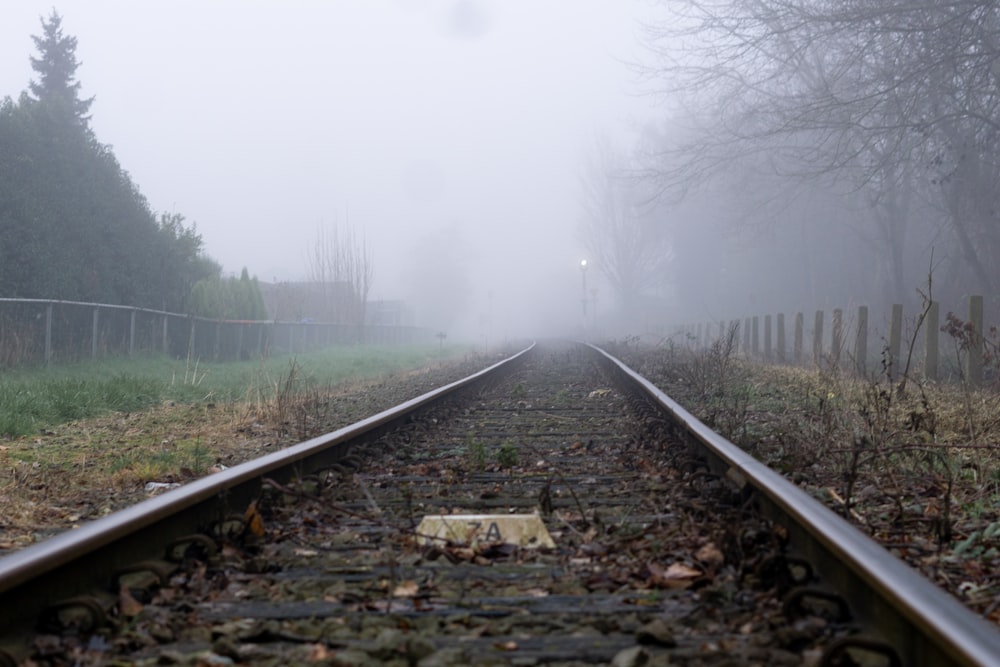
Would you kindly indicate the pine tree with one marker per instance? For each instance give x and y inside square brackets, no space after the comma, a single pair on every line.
[56,66]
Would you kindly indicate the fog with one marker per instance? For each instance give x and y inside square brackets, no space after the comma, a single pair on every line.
[449,133]
[706,171]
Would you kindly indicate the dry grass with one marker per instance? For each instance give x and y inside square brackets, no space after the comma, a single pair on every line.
[84,469]
[918,470]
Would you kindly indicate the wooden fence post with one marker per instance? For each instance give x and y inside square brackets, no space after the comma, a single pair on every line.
[190,350]
[780,325]
[131,333]
[818,338]
[931,351]
[861,342]
[93,336]
[48,334]
[836,336]
[767,337]
[895,338]
[974,360]
[799,327]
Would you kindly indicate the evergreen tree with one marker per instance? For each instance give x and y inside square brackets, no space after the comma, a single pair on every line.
[229,299]
[73,224]
[56,66]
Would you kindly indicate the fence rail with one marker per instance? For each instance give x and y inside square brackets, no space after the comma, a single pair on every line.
[911,345]
[43,331]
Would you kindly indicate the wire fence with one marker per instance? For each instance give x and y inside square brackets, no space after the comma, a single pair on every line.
[963,347]
[42,331]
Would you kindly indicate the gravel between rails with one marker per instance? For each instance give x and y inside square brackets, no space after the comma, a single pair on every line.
[655,562]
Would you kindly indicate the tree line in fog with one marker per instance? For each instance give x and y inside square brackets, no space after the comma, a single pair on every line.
[807,154]
[73,224]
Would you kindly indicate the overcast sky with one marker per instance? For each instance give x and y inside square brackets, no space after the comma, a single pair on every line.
[443,130]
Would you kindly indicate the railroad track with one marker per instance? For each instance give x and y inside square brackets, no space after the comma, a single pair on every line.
[669,546]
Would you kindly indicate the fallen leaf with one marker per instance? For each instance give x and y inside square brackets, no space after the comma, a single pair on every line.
[681,571]
[318,653]
[537,592]
[255,522]
[128,606]
[461,553]
[709,554]
[406,589]
[676,575]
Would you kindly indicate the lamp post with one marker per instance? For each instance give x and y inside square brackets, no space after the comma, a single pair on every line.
[583,272]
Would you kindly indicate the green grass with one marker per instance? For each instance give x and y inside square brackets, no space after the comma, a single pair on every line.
[507,455]
[35,398]
[150,465]
[475,451]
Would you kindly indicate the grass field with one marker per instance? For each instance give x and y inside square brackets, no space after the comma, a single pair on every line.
[38,398]
[79,441]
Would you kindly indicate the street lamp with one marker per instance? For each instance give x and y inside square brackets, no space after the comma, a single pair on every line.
[583,272]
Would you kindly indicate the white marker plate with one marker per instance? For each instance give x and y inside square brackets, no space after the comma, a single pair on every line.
[523,530]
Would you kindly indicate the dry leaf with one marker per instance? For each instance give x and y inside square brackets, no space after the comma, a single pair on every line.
[462,553]
[681,571]
[406,589]
[255,522]
[932,510]
[128,606]
[318,653]
[676,575]
[709,554]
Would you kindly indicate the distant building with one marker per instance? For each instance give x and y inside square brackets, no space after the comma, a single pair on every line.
[330,303]
[389,313]
[334,303]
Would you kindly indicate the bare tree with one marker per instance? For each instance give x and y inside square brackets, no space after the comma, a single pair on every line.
[894,101]
[625,237]
[341,269]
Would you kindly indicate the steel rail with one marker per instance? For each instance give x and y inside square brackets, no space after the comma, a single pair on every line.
[80,560]
[925,625]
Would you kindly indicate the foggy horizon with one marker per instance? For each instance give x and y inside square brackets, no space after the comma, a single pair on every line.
[444,132]
[707,172]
